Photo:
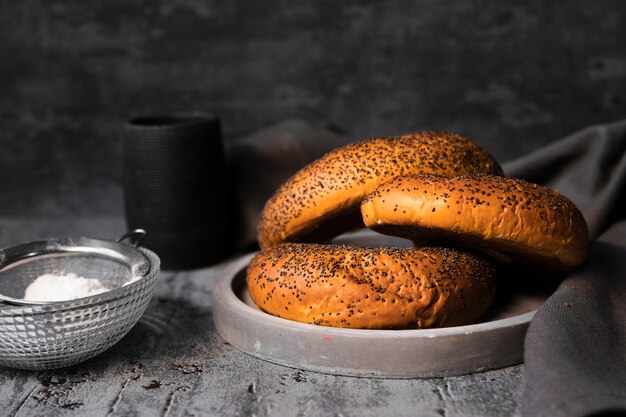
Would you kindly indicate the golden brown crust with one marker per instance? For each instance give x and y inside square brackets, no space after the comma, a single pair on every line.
[527,222]
[335,184]
[371,288]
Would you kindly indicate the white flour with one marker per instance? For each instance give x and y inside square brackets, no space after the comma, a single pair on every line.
[50,287]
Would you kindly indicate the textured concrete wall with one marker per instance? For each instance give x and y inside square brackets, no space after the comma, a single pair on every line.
[513,75]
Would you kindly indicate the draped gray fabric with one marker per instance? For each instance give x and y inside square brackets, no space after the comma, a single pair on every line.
[575,349]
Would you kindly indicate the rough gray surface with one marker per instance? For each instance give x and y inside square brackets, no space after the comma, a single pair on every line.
[513,75]
[173,363]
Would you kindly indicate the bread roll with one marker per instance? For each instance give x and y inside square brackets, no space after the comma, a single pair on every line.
[371,288]
[322,199]
[510,218]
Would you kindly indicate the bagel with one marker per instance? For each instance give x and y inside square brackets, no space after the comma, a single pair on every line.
[322,200]
[371,288]
[512,219]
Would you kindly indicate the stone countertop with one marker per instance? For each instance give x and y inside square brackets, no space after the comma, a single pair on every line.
[173,363]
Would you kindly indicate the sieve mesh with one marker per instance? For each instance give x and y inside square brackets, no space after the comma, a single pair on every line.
[17,276]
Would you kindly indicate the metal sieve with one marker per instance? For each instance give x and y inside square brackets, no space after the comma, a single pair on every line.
[46,335]
[112,264]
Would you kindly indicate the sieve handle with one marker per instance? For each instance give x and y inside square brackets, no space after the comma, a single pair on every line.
[134,237]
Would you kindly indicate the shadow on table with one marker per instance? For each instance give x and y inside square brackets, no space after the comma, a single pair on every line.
[171,332]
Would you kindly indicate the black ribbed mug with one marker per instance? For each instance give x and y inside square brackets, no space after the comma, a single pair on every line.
[174,187]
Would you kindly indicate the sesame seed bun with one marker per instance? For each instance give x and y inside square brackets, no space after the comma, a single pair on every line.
[322,200]
[511,219]
[371,288]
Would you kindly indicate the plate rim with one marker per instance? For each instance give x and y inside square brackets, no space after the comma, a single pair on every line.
[476,347]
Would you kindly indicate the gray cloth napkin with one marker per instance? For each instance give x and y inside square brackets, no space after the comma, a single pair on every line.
[575,349]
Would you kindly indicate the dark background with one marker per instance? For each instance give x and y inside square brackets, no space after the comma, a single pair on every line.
[511,75]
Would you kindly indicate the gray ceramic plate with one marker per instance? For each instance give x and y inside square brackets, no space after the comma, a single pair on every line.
[495,342]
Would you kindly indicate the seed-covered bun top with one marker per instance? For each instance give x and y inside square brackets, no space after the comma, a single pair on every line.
[371,288]
[510,218]
[322,199]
